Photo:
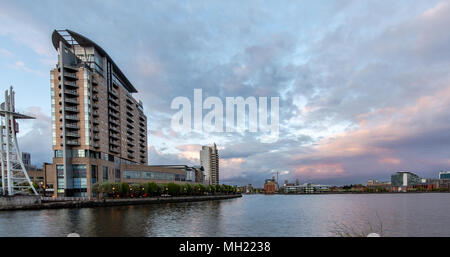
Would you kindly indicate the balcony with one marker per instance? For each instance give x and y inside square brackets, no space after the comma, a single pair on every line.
[113,114]
[95,129]
[114,136]
[95,122]
[96,145]
[114,149]
[96,138]
[94,106]
[72,117]
[130,113]
[130,132]
[71,100]
[142,139]
[94,90]
[94,81]
[142,124]
[130,156]
[71,92]
[130,108]
[113,128]
[114,107]
[95,113]
[114,142]
[142,134]
[71,109]
[70,75]
[70,83]
[69,67]
[143,146]
[72,142]
[130,126]
[72,125]
[114,101]
[114,122]
[141,118]
[142,130]
[72,134]
[113,92]
[129,119]
[131,144]
[95,98]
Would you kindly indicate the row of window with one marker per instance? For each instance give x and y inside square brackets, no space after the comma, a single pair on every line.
[92,154]
[133,174]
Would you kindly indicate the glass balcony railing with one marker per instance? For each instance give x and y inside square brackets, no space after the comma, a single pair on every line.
[73,142]
[71,109]
[71,117]
[71,100]
[71,92]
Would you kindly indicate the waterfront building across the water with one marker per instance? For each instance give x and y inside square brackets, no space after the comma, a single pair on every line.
[209,160]
[444,175]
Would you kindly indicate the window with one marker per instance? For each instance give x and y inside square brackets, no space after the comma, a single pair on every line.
[78,153]
[131,174]
[79,170]
[61,183]
[170,176]
[79,183]
[94,174]
[105,173]
[58,153]
[60,171]
[160,176]
[117,173]
[148,175]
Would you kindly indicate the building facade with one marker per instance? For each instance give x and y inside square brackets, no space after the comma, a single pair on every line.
[404,179]
[209,160]
[270,186]
[97,124]
[444,175]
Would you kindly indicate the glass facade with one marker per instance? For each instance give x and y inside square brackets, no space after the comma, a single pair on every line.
[105,173]
[131,174]
[87,105]
[60,176]
[94,174]
[151,175]
[52,95]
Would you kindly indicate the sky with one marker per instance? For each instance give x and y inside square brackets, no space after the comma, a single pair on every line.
[364,86]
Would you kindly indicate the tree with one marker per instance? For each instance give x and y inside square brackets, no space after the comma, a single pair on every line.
[153,188]
[189,189]
[173,189]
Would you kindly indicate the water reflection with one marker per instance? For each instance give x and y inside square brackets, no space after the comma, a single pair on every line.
[251,215]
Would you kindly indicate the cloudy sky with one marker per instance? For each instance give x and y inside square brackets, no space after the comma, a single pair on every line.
[364,86]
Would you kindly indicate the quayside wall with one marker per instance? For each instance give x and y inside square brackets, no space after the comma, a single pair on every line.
[35,202]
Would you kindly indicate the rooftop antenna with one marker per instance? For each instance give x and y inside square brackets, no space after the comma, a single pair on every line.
[14,175]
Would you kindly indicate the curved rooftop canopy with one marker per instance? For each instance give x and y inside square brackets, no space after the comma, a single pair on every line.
[70,38]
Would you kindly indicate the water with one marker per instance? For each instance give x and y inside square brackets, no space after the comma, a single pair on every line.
[252,215]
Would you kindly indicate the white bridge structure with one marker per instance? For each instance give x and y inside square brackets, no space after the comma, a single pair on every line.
[15,178]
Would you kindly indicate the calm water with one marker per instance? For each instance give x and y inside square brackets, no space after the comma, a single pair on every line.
[252,215]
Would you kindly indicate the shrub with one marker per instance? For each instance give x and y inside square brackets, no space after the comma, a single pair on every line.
[173,189]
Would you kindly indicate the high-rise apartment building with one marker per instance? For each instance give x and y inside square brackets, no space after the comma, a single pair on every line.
[97,124]
[209,159]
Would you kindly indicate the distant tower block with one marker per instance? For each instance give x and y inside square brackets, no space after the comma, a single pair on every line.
[15,178]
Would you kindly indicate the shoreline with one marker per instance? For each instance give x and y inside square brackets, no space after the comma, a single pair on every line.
[115,202]
[356,193]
